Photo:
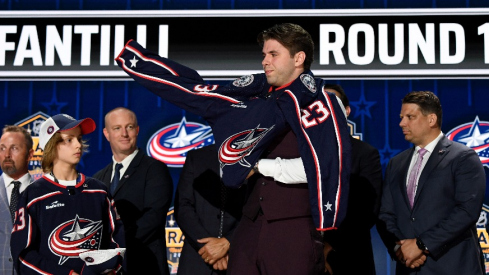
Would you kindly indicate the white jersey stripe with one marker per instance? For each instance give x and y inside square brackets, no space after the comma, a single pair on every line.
[43,197]
[340,152]
[316,160]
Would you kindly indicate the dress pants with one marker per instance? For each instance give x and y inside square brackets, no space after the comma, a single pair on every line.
[282,247]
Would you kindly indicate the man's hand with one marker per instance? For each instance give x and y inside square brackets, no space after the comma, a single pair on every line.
[221,264]
[419,261]
[327,248]
[251,173]
[214,249]
[409,253]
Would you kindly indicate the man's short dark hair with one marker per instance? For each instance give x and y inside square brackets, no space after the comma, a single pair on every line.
[293,37]
[18,129]
[428,102]
[341,92]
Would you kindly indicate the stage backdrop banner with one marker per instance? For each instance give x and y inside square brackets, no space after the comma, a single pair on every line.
[366,43]
[55,62]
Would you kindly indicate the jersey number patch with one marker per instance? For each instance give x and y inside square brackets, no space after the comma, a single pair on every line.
[307,114]
[21,218]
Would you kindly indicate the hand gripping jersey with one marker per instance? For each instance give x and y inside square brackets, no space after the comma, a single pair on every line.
[55,223]
[247,114]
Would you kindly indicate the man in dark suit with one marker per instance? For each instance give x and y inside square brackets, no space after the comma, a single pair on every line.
[142,190]
[432,196]
[353,236]
[207,212]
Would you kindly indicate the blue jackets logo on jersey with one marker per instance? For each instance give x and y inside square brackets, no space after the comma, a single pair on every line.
[474,135]
[309,82]
[73,237]
[243,81]
[235,148]
[171,143]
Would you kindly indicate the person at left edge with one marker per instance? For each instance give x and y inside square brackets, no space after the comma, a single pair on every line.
[15,152]
[64,213]
[142,196]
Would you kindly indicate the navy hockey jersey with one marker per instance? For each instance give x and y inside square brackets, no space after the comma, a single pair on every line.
[247,114]
[55,223]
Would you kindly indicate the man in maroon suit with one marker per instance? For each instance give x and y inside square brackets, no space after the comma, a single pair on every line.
[276,234]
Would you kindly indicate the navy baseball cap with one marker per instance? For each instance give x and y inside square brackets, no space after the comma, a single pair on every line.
[60,123]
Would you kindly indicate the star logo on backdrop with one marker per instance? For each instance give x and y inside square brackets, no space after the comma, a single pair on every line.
[328,206]
[474,138]
[387,153]
[171,222]
[362,106]
[183,137]
[474,135]
[54,106]
[171,143]
[133,62]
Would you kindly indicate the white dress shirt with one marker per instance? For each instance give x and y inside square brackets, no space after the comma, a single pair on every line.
[429,149]
[25,180]
[125,163]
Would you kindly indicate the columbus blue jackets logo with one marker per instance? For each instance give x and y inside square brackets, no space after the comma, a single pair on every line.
[309,82]
[474,135]
[171,143]
[73,237]
[236,147]
[243,81]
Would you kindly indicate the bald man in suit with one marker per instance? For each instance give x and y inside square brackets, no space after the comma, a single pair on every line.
[142,195]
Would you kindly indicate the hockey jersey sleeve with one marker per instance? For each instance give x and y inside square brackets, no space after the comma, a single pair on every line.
[325,146]
[25,240]
[116,228]
[170,80]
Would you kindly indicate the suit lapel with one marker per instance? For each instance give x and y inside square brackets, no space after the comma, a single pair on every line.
[130,170]
[404,167]
[107,177]
[441,150]
[3,196]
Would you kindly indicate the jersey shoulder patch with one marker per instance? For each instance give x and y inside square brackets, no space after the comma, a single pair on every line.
[243,81]
[309,82]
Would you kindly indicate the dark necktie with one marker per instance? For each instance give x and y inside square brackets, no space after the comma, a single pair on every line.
[115,179]
[411,187]
[14,199]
